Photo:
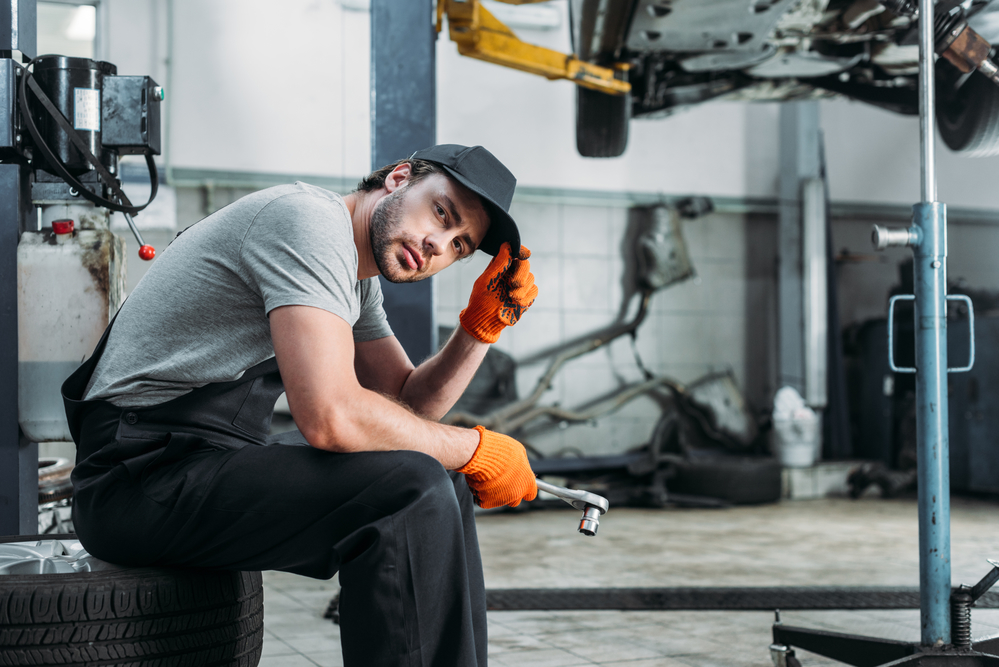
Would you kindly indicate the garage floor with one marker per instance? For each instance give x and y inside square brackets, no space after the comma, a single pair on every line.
[796,543]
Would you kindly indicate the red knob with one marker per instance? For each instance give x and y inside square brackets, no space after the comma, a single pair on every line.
[62,226]
[147,252]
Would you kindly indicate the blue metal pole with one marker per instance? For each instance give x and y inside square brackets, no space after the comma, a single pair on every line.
[932,434]
[932,443]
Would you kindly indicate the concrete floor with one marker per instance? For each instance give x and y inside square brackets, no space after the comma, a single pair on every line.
[795,543]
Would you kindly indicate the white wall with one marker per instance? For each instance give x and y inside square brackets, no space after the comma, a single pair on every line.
[255,85]
[873,155]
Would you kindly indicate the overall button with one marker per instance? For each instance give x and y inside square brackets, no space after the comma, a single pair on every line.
[131,417]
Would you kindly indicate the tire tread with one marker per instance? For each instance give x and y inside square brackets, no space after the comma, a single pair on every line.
[601,123]
[969,124]
[142,617]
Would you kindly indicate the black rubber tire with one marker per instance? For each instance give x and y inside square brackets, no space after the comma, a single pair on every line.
[968,120]
[136,617]
[740,480]
[601,123]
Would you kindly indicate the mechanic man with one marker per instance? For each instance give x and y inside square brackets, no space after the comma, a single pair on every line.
[279,292]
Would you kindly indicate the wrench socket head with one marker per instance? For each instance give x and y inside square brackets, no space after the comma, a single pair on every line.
[590,522]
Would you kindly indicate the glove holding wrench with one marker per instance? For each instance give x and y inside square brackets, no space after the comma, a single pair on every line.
[499,473]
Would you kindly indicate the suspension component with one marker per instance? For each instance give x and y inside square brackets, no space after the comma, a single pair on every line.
[953,38]
[966,50]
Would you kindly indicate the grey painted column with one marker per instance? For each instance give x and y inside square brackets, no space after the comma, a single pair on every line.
[18,458]
[404,120]
[799,164]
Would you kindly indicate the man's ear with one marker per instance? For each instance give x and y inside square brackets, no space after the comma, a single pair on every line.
[398,177]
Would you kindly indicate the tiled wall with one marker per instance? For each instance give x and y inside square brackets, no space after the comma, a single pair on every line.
[719,320]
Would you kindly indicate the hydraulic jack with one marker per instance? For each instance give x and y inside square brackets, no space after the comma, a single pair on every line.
[944,614]
[871,652]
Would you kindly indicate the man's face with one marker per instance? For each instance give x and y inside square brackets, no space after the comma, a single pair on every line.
[418,230]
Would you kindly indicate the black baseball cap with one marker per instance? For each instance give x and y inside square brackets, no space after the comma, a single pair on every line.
[479,171]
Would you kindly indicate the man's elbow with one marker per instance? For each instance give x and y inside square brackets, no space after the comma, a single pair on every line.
[332,434]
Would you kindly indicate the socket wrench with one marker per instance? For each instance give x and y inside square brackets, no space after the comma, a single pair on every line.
[590,504]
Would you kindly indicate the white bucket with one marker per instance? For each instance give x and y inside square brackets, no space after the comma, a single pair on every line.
[796,441]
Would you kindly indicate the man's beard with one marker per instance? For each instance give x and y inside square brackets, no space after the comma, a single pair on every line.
[386,223]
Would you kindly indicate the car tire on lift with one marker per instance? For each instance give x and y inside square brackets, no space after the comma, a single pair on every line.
[968,120]
[141,617]
[601,123]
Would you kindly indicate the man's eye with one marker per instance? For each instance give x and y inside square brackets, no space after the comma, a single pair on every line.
[457,245]
[440,211]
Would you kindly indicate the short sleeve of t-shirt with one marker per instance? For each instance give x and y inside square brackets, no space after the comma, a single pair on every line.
[372,324]
[299,250]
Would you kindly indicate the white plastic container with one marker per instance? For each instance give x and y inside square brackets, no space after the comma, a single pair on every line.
[68,286]
[796,441]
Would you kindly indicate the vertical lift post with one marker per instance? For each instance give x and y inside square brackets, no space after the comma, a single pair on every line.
[18,457]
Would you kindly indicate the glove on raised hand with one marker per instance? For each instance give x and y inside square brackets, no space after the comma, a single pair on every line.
[499,473]
[503,292]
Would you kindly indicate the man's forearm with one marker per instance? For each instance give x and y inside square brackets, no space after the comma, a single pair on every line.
[367,421]
[436,384]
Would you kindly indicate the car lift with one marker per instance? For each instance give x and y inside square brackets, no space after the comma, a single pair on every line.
[481,35]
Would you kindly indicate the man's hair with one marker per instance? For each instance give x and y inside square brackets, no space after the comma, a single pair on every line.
[420,169]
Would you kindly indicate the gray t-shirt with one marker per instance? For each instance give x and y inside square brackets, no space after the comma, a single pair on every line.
[200,313]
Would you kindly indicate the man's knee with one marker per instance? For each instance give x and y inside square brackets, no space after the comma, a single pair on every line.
[421,480]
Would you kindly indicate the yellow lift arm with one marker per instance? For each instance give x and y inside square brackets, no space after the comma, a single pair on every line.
[481,35]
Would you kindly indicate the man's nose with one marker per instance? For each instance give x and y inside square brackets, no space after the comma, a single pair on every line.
[436,243]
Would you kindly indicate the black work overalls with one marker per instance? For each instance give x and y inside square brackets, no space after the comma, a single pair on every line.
[195,482]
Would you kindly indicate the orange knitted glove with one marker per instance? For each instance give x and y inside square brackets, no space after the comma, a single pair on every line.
[500,295]
[498,472]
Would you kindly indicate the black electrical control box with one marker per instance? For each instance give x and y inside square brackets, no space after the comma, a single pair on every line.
[130,115]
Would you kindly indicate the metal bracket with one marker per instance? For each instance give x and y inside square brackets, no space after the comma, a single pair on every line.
[891,332]
[481,35]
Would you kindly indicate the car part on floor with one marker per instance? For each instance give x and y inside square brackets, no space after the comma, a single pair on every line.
[892,483]
[61,606]
[590,504]
[659,475]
